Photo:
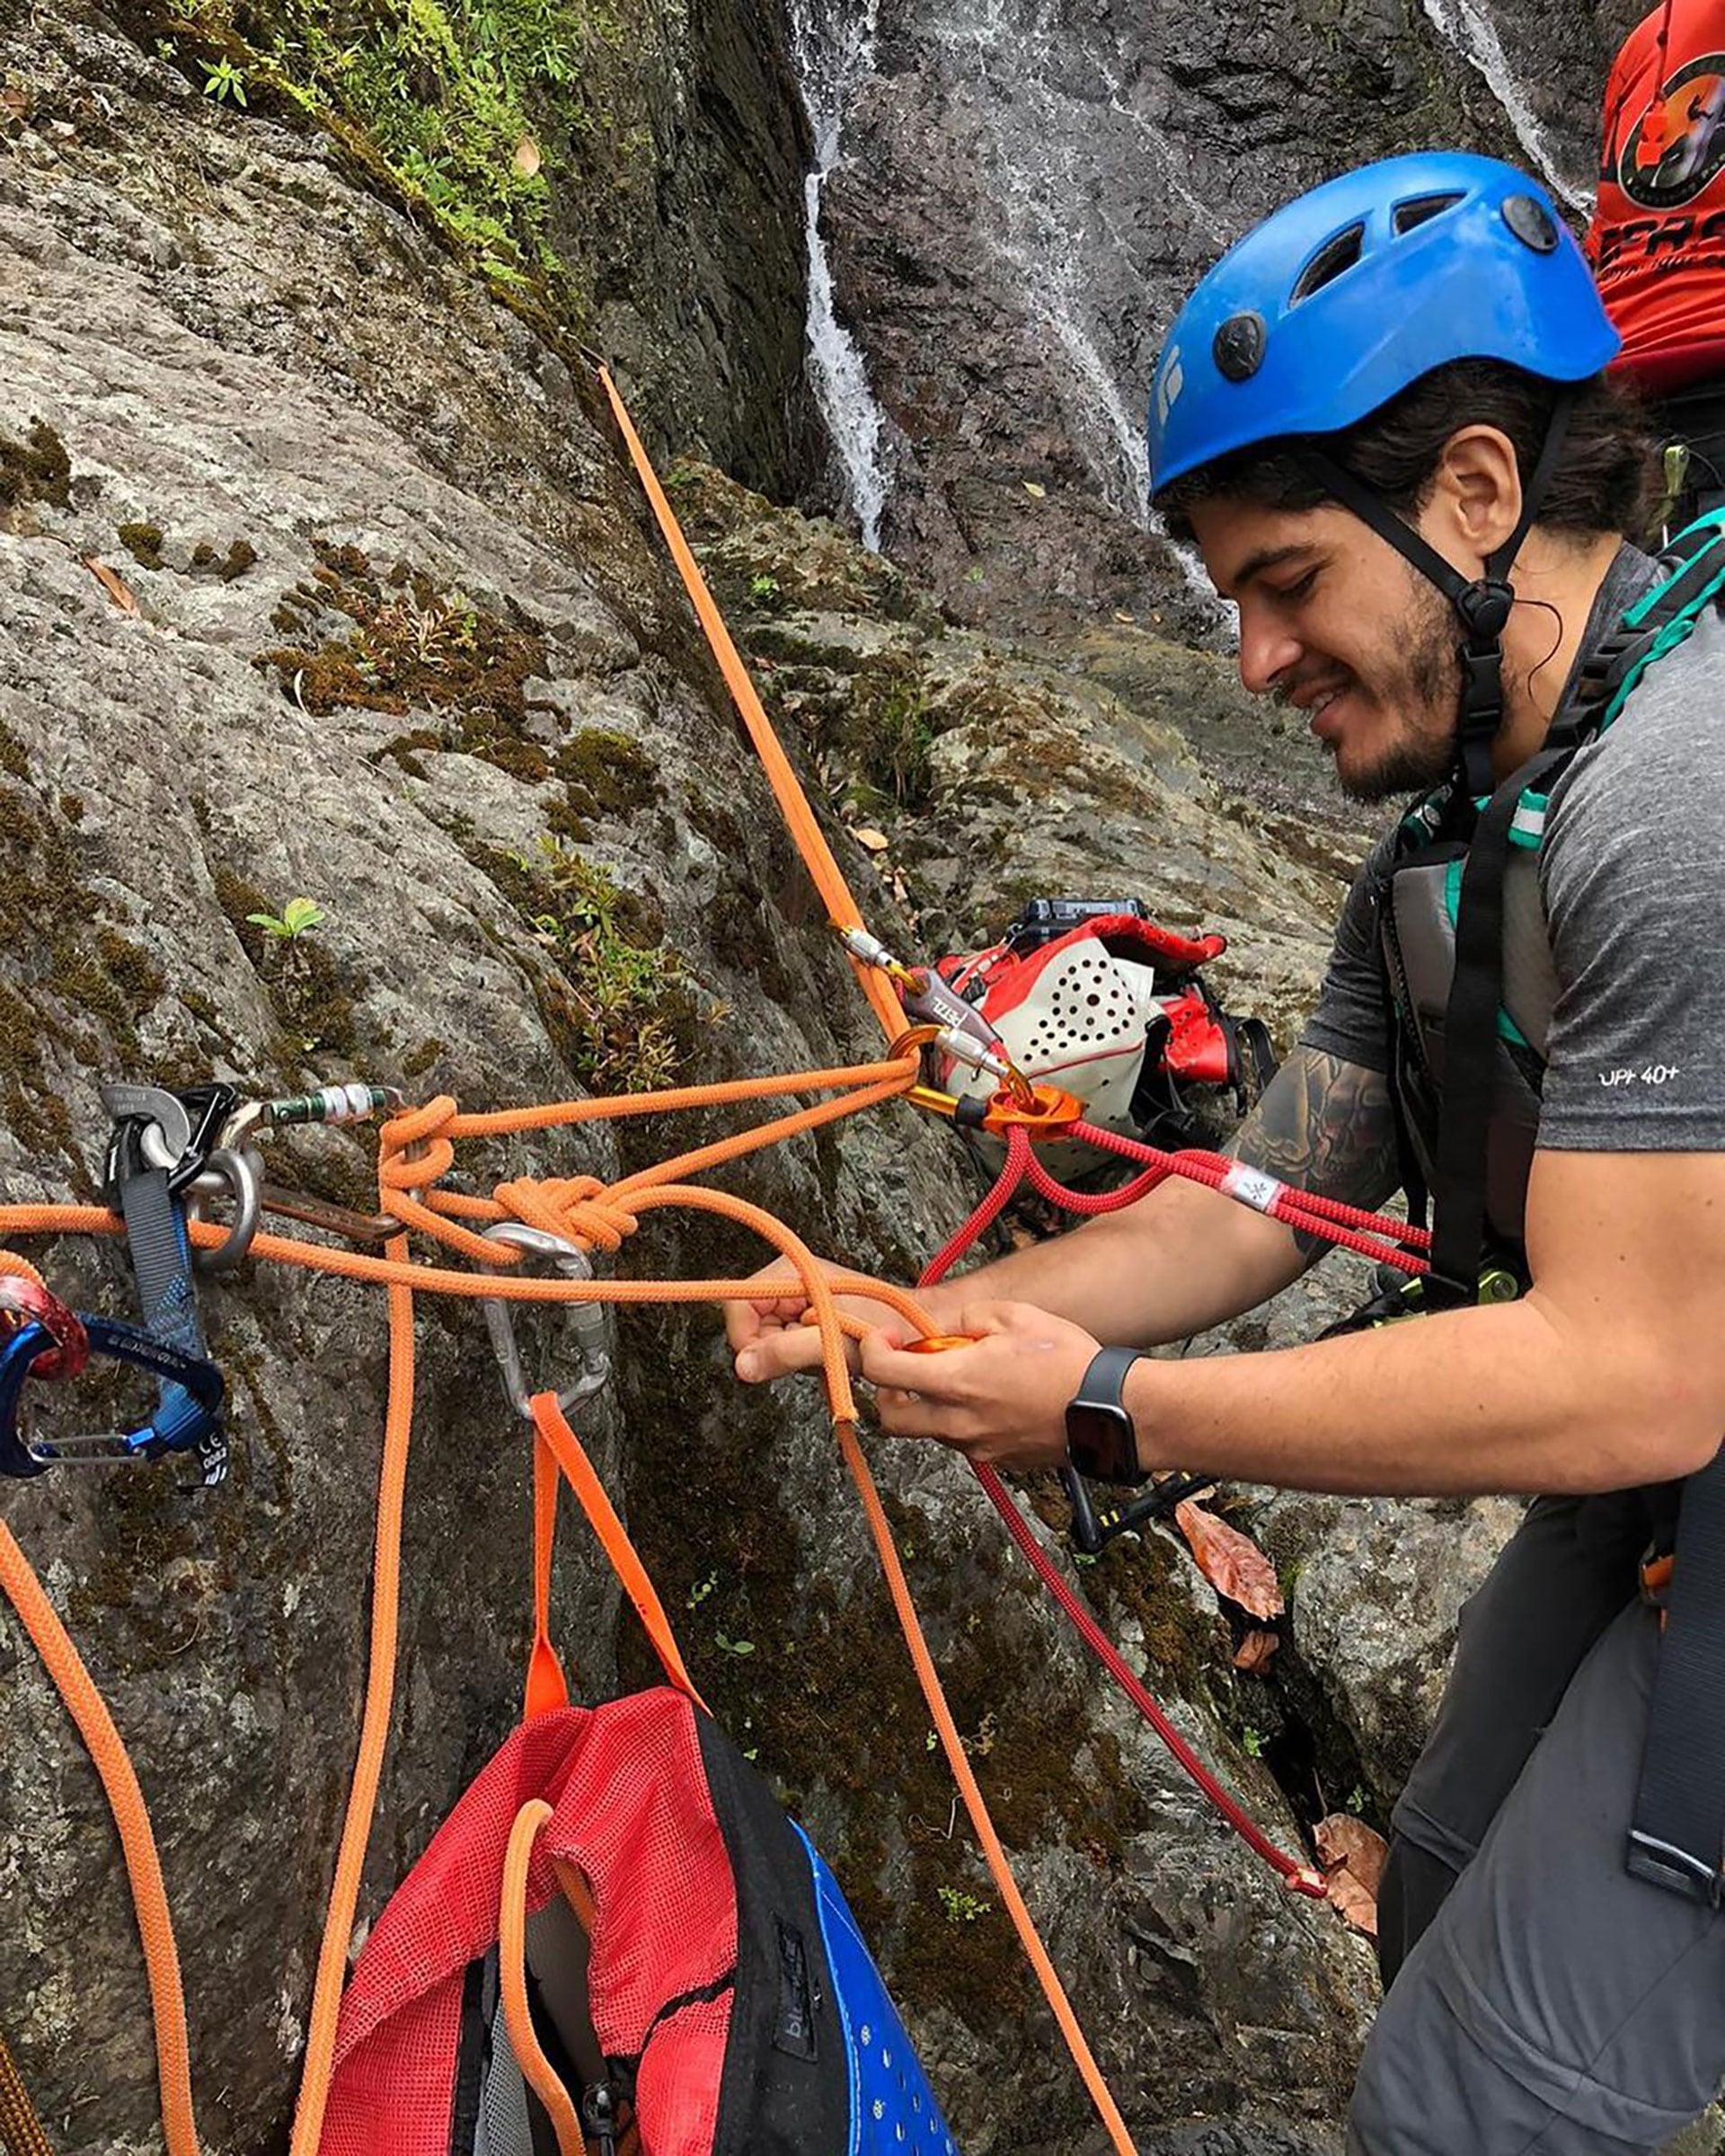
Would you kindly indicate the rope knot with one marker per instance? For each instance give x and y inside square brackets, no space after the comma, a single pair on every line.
[413,1155]
[578,1207]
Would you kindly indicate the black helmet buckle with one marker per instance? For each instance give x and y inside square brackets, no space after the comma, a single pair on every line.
[1484,608]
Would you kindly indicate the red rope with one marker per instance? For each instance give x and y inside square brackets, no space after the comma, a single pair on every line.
[1373,1234]
[1301,1878]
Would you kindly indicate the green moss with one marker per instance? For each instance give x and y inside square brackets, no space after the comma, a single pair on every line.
[418,1061]
[618,1008]
[142,542]
[74,987]
[887,722]
[37,469]
[302,979]
[395,642]
[342,1175]
[606,774]
[14,757]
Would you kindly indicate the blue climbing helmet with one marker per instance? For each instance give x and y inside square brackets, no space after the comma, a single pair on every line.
[1346,295]
[1351,294]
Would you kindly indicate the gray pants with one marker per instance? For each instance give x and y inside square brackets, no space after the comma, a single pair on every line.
[1548,2005]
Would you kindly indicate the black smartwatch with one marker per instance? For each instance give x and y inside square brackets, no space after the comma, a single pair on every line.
[1099,1438]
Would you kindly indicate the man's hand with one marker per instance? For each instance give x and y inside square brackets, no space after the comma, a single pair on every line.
[1002,1401]
[767,1335]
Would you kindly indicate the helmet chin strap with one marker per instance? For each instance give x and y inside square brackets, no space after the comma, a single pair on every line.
[1481,603]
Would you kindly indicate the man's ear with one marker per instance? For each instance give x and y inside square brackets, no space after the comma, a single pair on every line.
[1476,491]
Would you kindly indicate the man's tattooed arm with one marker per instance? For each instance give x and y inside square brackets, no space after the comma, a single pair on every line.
[1328,1126]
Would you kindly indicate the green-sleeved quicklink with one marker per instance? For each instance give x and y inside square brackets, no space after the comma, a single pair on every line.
[332,1104]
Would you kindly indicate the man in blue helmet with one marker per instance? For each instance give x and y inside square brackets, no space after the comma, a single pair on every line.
[1384,419]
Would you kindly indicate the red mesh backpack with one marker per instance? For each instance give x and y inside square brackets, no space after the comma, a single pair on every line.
[617,1941]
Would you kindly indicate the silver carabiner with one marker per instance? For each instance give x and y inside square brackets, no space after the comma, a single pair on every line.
[587,1320]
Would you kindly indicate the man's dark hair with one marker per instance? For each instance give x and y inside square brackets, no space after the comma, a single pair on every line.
[1604,479]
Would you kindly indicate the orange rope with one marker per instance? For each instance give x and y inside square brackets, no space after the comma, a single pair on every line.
[102,1740]
[542,2077]
[416,1151]
[558,1442]
[787,788]
[19,2128]
[584,1210]
[374,1732]
[952,1743]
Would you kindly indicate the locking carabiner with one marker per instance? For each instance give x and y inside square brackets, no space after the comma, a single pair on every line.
[587,1320]
[188,1416]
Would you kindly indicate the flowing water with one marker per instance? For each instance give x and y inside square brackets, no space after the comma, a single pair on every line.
[833,47]
[1057,126]
[1465,25]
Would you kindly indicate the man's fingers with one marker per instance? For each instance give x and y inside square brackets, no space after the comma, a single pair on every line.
[935,1376]
[905,1414]
[777,1352]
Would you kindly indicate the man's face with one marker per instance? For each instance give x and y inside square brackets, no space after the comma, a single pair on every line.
[1333,621]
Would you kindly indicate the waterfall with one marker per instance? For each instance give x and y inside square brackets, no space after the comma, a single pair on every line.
[1056,124]
[834,55]
[1465,25]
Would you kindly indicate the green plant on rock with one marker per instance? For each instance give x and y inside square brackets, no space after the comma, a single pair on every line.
[223,81]
[892,730]
[297,918]
[447,102]
[623,1012]
[961,1908]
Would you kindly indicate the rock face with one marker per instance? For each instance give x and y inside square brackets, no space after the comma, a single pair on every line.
[321,576]
[1028,188]
[396,642]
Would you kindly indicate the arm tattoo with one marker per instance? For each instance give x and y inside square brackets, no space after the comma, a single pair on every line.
[1328,1126]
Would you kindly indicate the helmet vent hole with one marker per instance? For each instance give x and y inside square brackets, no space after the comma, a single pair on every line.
[1408,217]
[1330,260]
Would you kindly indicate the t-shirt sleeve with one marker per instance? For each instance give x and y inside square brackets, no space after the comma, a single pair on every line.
[1634,883]
[1352,1017]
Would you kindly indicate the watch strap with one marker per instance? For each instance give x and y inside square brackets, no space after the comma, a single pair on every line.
[1100,1434]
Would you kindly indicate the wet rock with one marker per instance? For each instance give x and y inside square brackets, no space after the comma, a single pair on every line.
[310,395]
[1026,194]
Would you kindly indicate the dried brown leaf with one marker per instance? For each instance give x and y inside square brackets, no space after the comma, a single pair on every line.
[865,835]
[1230,1561]
[1352,1855]
[1253,1652]
[112,582]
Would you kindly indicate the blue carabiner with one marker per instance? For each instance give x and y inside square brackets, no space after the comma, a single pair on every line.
[187,1415]
[18,1355]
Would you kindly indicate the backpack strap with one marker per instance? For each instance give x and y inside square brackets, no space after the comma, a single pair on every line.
[1677,1836]
[1470,1043]
[1657,623]
[562,1453]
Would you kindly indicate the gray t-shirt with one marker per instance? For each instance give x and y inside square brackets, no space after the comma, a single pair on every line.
[1632,876]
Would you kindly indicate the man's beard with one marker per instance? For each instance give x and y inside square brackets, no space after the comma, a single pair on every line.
[1428,682]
